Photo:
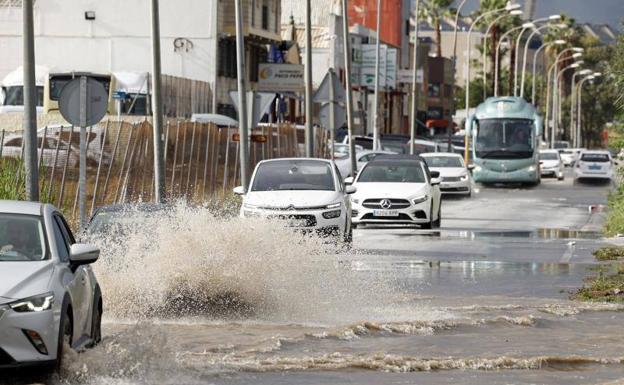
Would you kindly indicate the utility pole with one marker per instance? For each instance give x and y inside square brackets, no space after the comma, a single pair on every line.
[414,122]
[30,104]
[242,97]
[376,100]
[157,117]
[332,111]
[309,133]
[347,63]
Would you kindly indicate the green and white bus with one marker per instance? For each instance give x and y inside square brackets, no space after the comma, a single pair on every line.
[505,135]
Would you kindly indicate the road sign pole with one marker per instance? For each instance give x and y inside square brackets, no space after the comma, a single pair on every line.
[347,64]
[30,105]
[82,177]
[377,69]
[242,97]
[309,133]
[414,121]
[157,117]
[332,112]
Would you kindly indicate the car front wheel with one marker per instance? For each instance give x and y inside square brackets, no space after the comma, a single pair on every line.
[65,338]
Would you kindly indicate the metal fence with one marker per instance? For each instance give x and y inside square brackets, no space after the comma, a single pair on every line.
[201,160]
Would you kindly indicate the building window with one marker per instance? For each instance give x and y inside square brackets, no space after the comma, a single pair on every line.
[227,58]
[265,16]
[434,90]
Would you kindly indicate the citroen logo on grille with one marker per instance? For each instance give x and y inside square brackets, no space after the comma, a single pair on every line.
[290,208]
[385,203]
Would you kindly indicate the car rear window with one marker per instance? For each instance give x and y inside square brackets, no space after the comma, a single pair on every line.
[595,158]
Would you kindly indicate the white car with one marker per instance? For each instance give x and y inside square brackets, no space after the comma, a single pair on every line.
[13,148]
[551,164]
[341,150]
[307,193]
[568,156]
[397,190]
[361,158]
[454,175]
[594,164]
[48,292]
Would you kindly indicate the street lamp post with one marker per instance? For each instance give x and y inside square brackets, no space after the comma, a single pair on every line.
[558,59]
[508,8]
[515,12]
[449,127]
[580,105]
[573,103]
[414,121]
[525,27]
[557,96]
[526,51]
[526,46]
[497,61]
[556,42]
[377,69]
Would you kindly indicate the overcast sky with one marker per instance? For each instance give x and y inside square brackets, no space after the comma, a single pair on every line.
[584,11]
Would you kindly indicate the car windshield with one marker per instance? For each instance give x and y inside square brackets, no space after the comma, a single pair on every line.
[294,175]
[548,156]
[383,172]
[443,161]
[595,158]
[21,238]
[504,139]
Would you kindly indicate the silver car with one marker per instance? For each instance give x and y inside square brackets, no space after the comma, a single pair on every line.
[49,295]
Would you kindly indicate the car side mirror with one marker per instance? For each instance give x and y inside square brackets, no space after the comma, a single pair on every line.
[350,189]
[349,180]
[83,254]
[435,181]
[435,174]
[239,190]
[470,167]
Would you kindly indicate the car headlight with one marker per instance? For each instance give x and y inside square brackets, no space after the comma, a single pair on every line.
[332,214]
[464,178]
[333,205]
[531,168]
[478,169]
[34,304]
[420,199]
[250,206]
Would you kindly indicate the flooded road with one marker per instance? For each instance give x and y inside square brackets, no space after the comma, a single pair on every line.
[482,301]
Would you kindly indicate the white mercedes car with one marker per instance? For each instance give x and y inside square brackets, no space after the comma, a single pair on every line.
[307,193]
[397,190]
[454,175]
[593,164]
[551,164]
[48,292]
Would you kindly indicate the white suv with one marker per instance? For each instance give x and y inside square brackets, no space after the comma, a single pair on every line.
[593,165]
[307,193]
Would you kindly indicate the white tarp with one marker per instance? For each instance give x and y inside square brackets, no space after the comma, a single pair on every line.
[16,78]
[132,82]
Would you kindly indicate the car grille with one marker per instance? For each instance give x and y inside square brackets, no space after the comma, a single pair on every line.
[297,220]
[401,217]
[451,179]
[5,358]
[454,189]
[395,204]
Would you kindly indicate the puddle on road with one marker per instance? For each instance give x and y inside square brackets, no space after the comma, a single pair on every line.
[543,233]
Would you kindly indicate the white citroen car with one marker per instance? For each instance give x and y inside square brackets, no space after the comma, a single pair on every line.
[307,193]
[48,292]
[593,165]
[454,175]
[397,190]
[551,164]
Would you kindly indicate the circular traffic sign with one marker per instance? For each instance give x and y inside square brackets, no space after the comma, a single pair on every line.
[96,102]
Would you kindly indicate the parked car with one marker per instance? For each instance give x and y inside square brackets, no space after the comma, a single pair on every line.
[397,190]
[561,144]
[307,193]
[455,177]
[423,146]
[341,150]
[12,148]
[49,294]
[551,164]
[361,158]
[570,155]
[365,141]
[594,164]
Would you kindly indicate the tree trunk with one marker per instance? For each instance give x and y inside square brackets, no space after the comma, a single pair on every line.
[438,38]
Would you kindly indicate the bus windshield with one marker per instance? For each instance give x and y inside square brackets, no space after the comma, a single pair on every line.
[504,139]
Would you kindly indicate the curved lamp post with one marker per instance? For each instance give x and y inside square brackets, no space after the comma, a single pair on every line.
[526,49]
[573,103]
[557,98]
[556,42]
[580,105]
[507,8]
[497,65]
[515,12]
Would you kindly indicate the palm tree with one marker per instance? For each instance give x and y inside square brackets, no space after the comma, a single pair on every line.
[434,11]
